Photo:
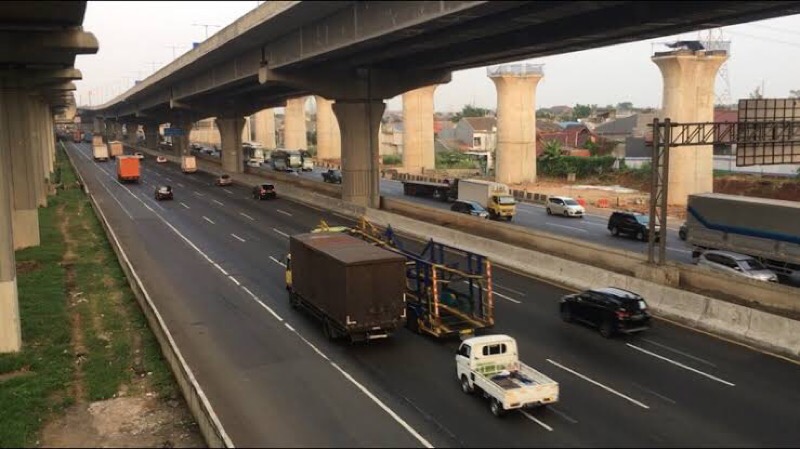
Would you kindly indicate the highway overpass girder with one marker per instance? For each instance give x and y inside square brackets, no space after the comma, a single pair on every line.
[358,84]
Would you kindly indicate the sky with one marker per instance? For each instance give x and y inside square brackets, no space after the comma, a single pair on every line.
[136,39]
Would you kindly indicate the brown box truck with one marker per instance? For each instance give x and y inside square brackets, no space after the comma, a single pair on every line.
[356,289]
[115,148]
[128,169]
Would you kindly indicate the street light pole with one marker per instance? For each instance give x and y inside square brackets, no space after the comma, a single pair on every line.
[205,25]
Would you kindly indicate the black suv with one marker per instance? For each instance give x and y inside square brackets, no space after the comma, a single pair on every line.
[632,224]
[264,191]
[332,176]
[610,309]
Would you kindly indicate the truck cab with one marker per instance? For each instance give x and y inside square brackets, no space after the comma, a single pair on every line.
[502,206]
[490,364]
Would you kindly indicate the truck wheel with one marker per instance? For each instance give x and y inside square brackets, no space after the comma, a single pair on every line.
[606,329]
[412,322]
[549,212]
[496,407]
[293,302]
[640,236]
[508,218]
[566,314]
[327,329]
[465,386]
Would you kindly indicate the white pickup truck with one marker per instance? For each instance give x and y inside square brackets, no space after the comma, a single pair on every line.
[490,363]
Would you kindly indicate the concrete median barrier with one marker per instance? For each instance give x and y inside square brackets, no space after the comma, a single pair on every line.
[726,318]
[774,331]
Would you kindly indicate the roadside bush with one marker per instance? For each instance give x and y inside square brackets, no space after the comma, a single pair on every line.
[392,159]
[582,166]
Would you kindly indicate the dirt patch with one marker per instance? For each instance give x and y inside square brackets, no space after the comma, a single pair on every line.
[27,266]
[74,297]
[779,189]
[123,422]
[24,371]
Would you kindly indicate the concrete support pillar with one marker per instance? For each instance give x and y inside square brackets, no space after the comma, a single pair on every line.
[265,128]
[516,123]
[98,126]
[180,144]
[294,124]
[10,130]
[130,130]
[689,98]
[20,174]
[329,138]
[418,141]
[230,132]
[36,145]
[117,131]
[108,131]
[50,154]
[151,136]
[360,124]
[10,330]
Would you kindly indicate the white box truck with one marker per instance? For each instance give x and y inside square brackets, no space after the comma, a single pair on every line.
[100,152]
[188,164]
[490,364]
[495,197]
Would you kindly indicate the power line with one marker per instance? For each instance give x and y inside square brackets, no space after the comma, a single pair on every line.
[793,44]
[772,28]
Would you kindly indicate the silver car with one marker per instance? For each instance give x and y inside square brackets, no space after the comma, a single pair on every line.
[736,264]
[562,205]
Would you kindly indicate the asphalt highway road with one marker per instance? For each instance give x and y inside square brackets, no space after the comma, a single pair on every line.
[211,259]
[592,228]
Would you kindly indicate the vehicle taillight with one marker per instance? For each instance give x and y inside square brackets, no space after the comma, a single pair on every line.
[622,314]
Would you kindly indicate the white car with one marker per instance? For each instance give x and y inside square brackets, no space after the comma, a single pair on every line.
[566,206]
[254,163]
[737,265]
[138,155]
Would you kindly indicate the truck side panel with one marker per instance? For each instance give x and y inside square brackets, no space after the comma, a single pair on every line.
[758,227]
[375,293]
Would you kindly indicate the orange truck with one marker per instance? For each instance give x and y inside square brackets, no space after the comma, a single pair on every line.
[128,169]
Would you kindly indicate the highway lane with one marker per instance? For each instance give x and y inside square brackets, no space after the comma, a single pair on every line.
[416,374]
[268,386]
[592,228]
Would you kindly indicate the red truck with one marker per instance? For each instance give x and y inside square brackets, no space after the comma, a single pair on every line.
[128,169]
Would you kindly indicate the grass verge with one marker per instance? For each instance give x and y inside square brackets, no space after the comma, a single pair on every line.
[84,336]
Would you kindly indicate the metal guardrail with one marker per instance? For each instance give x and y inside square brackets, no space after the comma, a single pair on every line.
[515,69]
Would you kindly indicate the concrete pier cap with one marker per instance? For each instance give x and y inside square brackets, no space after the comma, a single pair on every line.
[516,120]
[688,97]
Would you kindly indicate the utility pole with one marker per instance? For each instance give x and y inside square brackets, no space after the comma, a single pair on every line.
[153,66]
[173,47]
[205,25]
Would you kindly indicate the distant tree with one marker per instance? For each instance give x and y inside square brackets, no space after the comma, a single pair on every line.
[544,113]
[552,150]
[592,147]
[626,105]
[794,93]
[756,94]
[581,111]
[469,111]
